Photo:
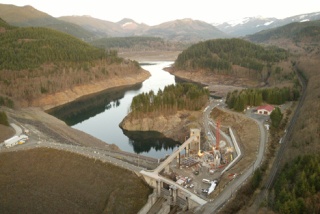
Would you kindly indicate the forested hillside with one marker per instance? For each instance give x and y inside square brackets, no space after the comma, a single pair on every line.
[37,61]
[173,98]
[297,190]
[232,57]
[137,43]
[239,100]
[28,48]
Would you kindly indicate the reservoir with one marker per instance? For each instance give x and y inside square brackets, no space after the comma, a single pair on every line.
[100,115]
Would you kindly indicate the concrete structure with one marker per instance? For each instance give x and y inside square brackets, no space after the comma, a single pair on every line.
[265,110]
[176,194]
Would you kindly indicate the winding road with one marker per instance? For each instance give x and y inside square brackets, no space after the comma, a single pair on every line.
[227,193]
[109,156]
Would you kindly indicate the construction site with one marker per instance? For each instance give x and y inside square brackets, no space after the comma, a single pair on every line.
[200,166]
[192,175]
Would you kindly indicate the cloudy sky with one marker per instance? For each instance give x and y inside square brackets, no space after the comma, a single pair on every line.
[155,12]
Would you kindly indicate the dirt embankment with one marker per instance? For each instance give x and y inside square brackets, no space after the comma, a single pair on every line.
[247,133]
[52,100]
[145,56]
[52,129]
[53,181]
[174,126]
[207,78]
[6,132]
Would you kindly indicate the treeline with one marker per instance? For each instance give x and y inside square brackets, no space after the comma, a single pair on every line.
[36,61]
[128,42]
[5,101]
[222,54]
[239,100]
[4,119]
[137,43]
[297,190]
[5,25]
[185,96]
[28,48]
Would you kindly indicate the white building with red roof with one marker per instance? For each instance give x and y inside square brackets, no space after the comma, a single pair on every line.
[265,109]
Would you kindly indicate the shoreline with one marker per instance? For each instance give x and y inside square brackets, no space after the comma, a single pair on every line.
[60,98]
[51,127]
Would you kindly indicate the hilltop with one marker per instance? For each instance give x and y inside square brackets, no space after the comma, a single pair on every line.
[182,30]
[252,25]
[27,16]
[89,28]
[52,68]
[234,62]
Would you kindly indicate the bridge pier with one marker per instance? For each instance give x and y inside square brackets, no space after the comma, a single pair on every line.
[177,195]
[196,141]
[187,149]
[159,186]
[174,194]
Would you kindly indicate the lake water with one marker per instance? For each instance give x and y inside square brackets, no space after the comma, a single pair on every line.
[100,115]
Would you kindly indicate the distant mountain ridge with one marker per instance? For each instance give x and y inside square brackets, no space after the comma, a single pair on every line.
[184,30]
[251,25]
[27,16]
[89,28]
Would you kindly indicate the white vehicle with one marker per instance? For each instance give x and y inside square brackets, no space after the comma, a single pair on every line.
[15,140]
[11,141]
[206,181]
[24,137]
[212,187]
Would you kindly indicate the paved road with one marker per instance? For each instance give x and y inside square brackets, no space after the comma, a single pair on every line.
[17,129]
[128,161]
[157,177]
[228,192]
[109,156]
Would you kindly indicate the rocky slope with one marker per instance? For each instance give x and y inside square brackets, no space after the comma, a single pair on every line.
[174,126]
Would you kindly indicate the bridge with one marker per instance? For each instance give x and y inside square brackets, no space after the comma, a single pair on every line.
[176,194]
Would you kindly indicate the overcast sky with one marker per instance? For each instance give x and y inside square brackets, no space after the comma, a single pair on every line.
[156,12]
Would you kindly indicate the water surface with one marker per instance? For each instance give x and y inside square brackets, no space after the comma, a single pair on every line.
[100,115]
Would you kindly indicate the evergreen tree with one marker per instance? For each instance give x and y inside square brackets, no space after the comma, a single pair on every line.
[276,117]
[3,118]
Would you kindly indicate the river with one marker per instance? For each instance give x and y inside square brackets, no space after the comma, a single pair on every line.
[101,115]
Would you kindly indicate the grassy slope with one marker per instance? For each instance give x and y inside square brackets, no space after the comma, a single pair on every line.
[51,181]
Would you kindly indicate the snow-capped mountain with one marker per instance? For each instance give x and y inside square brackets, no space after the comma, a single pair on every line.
[251,25]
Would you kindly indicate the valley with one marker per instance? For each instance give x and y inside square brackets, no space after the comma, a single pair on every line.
[68,169]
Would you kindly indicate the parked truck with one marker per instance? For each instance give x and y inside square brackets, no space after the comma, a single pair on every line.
[15,140]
